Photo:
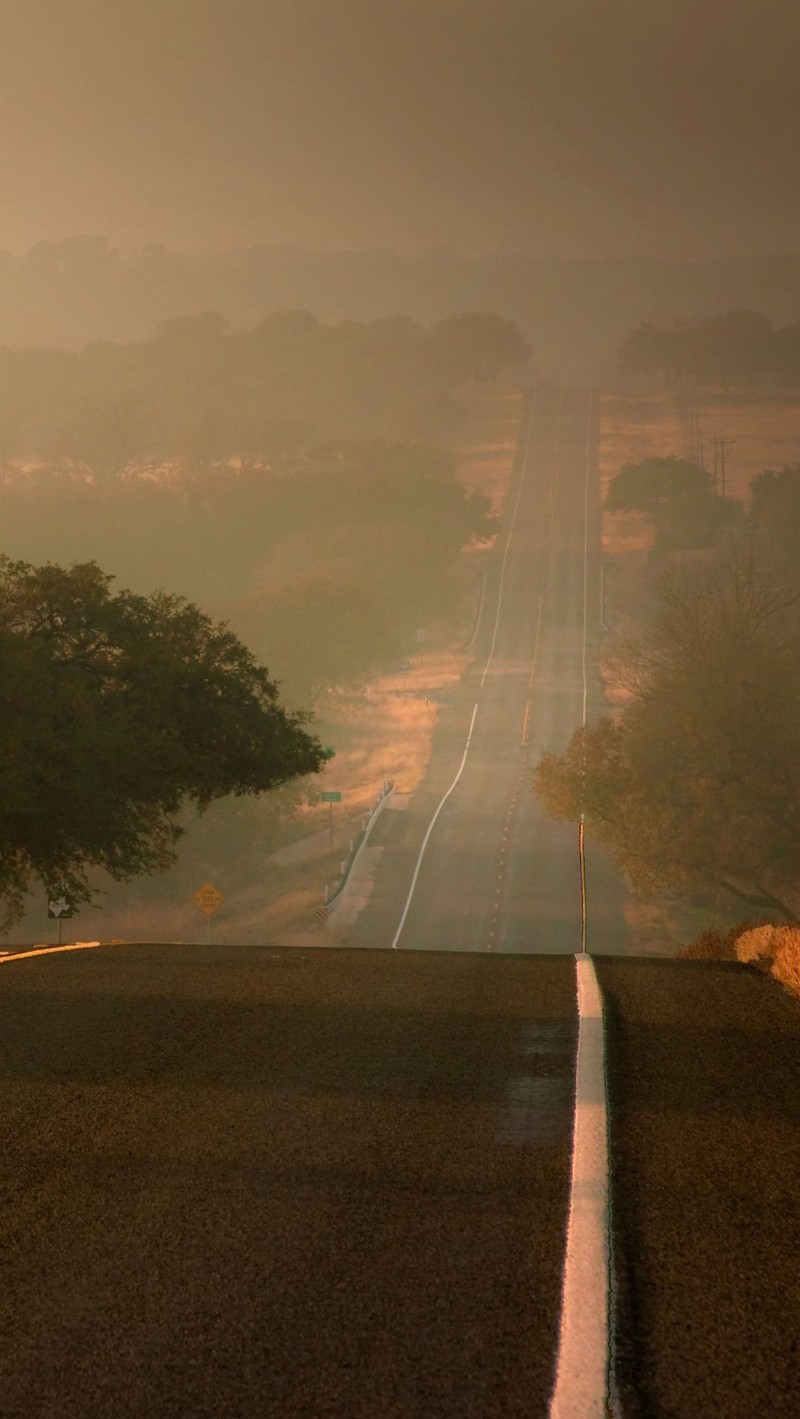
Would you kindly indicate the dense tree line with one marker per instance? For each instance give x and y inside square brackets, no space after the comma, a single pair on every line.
[243,467]
[739,348]
[200,395]
[326,564]
[79,289]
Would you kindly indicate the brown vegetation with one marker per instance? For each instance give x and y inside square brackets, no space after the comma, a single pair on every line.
[763,429]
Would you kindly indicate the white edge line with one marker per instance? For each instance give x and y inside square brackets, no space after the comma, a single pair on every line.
[469,644]
[581,1384]
[522,477]
[430,830]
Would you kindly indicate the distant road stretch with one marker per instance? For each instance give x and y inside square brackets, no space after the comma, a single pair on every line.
[472,864]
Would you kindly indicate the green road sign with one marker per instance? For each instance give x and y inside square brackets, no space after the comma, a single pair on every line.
[329,752]
[334,797]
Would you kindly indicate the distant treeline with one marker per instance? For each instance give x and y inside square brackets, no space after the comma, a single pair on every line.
[282,476]
[201,394]
[325,566]
[740,347]
[81,289]
[688,514]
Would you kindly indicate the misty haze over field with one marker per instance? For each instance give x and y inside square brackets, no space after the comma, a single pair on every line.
[575,165]
[277,278]
[399,689]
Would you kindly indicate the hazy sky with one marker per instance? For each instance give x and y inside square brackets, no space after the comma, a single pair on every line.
[582,127]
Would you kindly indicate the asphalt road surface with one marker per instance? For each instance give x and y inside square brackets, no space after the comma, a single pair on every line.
[252,1181]
[704,1094]
[249,1182]
[496,875]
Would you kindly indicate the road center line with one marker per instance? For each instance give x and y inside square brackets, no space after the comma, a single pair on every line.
[430,830]
[522,477]
[536,642]
[581,1384]
[555,474]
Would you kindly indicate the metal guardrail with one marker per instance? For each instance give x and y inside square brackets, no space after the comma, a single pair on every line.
[476,622]
[333,899]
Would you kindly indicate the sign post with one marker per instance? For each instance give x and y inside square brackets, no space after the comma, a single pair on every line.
[57,909]
[207,898]
[330,797]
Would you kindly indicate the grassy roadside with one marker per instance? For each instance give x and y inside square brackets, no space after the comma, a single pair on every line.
[764,432]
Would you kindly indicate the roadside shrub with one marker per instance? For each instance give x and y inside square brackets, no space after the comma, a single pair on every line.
[786,960]
[716,943]
[776,949]
[757,945]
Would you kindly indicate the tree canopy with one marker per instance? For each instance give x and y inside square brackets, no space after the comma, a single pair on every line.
[775,512]
[678,498]
[695,786]
[647,485]
[479,344]
[200,393]
[738,347]
[116,712]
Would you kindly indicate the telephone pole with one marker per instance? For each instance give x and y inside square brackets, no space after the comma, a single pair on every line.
[701,456]
[721,447]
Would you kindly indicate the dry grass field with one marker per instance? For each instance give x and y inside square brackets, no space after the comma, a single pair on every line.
[763,433]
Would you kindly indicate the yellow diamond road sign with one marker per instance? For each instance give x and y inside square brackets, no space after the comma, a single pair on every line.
[207,898]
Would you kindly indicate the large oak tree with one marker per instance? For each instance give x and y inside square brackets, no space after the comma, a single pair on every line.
[116,712]
[695,785]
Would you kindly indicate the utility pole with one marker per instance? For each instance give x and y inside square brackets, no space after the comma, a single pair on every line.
[693,437]
[721,447]
[701,457]
[724,445]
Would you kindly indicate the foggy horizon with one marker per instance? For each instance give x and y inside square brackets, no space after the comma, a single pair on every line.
[572,129]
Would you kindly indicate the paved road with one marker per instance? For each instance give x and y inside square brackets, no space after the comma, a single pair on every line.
[246,1181]
[254,1182]
[243,1181]
[496,875]
[704,1092]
